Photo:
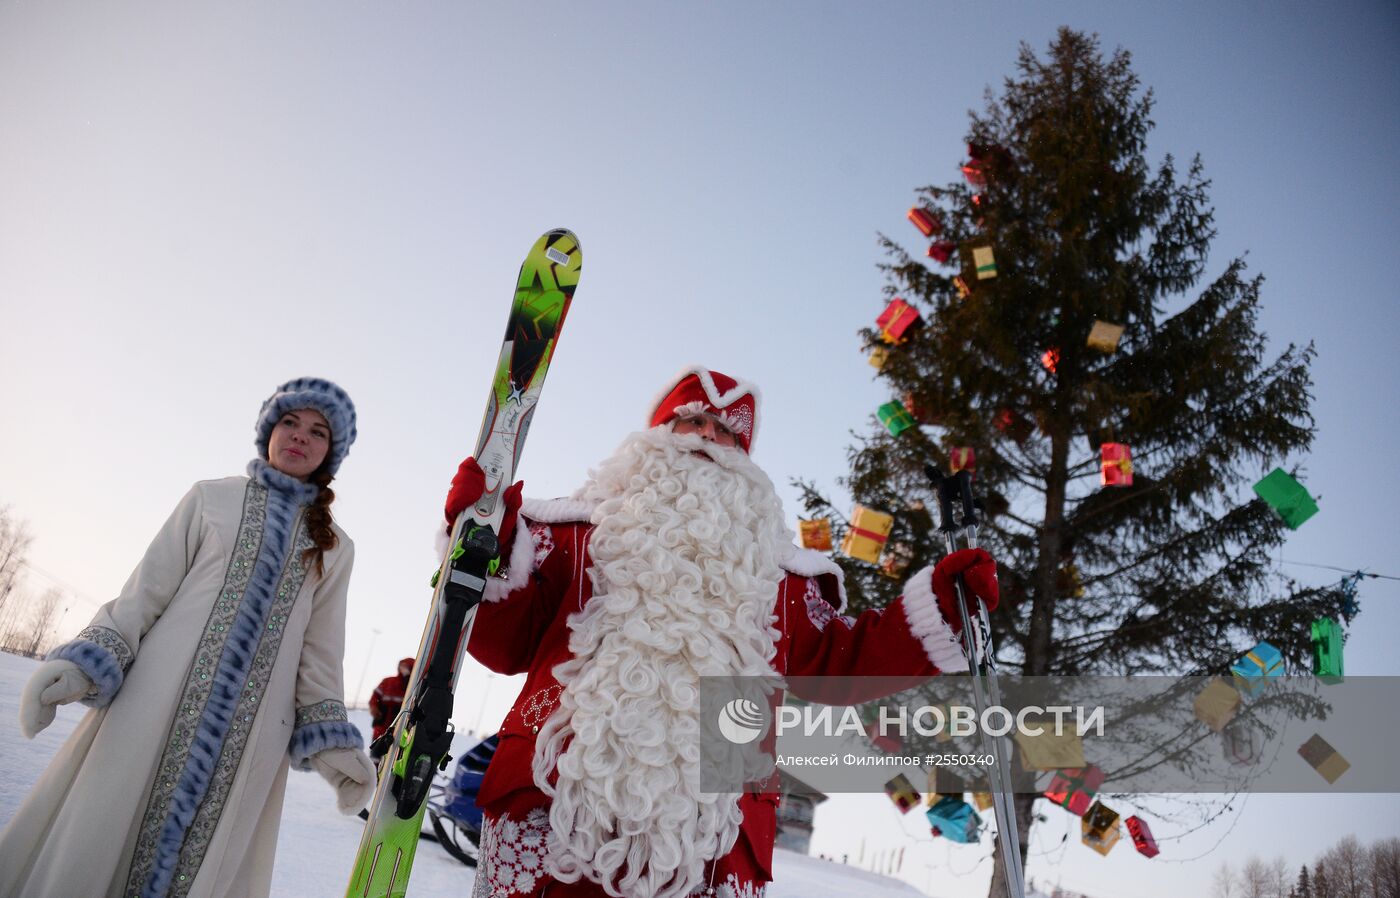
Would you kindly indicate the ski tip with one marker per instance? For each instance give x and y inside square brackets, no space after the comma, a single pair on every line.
[561,246]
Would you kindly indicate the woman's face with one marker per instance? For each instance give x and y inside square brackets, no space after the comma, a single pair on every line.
[299,442]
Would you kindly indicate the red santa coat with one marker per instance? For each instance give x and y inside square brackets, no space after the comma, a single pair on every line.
[522,627]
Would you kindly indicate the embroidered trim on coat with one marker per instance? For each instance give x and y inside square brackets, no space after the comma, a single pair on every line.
[227,679]
[512,855]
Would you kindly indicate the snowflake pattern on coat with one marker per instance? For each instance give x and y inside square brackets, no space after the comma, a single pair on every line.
[543,539]
[732,888]
[512,855]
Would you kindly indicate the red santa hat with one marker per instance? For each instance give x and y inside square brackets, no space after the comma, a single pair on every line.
[697,390]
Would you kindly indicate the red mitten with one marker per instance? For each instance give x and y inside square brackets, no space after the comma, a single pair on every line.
[467,486]
[979,573]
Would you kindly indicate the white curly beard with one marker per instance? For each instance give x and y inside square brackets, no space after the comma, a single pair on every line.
[685,575]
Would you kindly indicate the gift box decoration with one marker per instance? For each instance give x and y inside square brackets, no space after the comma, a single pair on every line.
[983,800]
[865,537]
[921,413]
[1117,464]
[896,560]
[955,820]
[1324,758]
[941,251]
[1013,425]
[1104,336]
[1259,665]
[1049,750]
[928,223]
[943,783]
[897,320]
[1242,743]
[975,171]
[961,284]
[1099,829]
[1074,789]
[1287,497]
[878,356]
[815,534]
[1327,649]
[902,793]
[895,417]
[1068,582]
[888,742]
[1051,359]
[962,458]
[984,262]
[1142,837]
[1217,704]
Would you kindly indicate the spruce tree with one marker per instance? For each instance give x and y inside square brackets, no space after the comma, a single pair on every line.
[1304,888]
[1173,574]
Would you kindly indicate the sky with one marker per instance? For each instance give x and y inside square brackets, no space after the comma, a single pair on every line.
[200,201]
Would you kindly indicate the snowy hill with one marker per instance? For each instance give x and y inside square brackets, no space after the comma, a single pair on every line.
[317,844]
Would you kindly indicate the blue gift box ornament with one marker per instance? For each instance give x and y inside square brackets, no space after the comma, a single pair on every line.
[955,820]
[1256,668]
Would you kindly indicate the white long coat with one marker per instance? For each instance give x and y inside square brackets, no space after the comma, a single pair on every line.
[76,833]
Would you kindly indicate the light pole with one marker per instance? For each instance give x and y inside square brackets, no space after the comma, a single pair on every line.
[359,690]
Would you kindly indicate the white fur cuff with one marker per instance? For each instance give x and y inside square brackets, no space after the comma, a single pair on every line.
[519,568]
[927,624]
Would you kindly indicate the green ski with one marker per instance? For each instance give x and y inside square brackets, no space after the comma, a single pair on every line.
[422,734]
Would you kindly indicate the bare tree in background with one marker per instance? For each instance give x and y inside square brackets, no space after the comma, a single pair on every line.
[1385,868]
[1225,884]
[43,614]
[15,539]
[1346,868]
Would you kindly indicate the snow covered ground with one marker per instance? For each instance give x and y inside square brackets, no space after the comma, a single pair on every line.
[317,844]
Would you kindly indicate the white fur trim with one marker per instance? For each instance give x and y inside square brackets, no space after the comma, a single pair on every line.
[811,563]
[522,565]
[717,399]
[928,626]
[558,511]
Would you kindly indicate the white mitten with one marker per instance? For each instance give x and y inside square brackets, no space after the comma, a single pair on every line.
[54,683]
[350,773]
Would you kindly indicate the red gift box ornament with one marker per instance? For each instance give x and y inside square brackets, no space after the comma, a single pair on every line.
[1117,464]
[1074,789]
[964,289]
[976,174]
[1013,425]
[897,320]
[962,458]
[927,223]
[1142,837]
[1051,359]
[941,251]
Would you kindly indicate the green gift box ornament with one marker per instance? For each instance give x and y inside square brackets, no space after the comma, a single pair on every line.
[1287,497]
[895,417]
[1327,649]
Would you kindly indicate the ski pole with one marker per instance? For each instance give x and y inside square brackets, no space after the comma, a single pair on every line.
[981,660]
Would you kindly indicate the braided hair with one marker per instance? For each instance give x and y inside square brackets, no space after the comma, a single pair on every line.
[319,520]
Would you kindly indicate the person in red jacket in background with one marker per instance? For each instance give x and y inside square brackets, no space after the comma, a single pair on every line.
[385,703]
[671,563]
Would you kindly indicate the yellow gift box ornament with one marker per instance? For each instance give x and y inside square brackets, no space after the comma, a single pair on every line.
[1104,336]
[902,793]
[865,537]
[1050,750]
[815,534]
[984,262]
[878,356]
[1324,758]
[1099,829]
[1217,704]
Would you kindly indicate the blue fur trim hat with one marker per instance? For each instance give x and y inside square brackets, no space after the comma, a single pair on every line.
[315,393]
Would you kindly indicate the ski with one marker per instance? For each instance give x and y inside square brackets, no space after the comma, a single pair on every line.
[422,733]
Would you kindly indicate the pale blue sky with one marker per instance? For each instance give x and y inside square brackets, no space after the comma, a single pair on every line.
[198,201]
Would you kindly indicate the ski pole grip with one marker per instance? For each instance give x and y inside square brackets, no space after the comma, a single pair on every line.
[943,488]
